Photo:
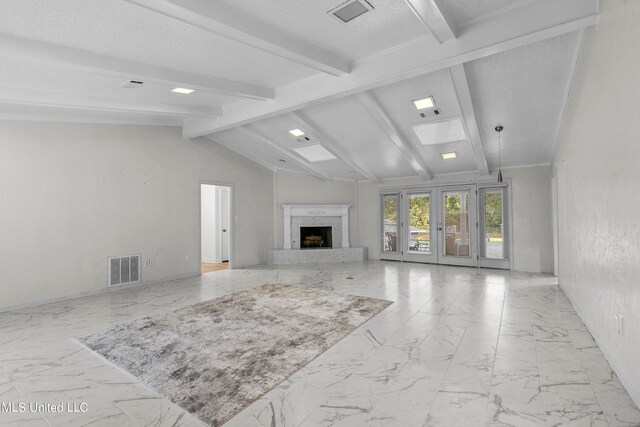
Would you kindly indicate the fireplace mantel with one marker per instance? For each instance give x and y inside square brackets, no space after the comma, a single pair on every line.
[315,210]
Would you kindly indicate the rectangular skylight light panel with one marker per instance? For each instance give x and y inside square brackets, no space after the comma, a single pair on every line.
[296,132]
[182,90]
[424,103]
[314,153]
[440,132]
[450,155]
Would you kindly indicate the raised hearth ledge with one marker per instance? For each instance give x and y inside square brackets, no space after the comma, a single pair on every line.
[311,256]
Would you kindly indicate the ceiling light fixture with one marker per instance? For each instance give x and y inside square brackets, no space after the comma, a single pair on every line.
[450,155]
[182,90]
[499,129]
[424,103]
[296,132]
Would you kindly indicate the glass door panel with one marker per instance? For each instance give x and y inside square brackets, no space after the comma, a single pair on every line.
[457,226]
[419,216]
[493,222]
[456,223]
[418,230]
[391,244]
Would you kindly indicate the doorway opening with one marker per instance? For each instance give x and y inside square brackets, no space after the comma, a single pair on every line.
[215,227]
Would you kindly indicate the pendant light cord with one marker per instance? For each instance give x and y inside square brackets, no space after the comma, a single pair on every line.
[499,129]
[499,151]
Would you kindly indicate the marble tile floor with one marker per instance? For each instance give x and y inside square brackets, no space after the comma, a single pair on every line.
[459,347]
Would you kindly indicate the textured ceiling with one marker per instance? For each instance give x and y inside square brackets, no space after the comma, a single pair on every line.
[390,23]
[34,76]
[124,30]
[463,12]
[522,88]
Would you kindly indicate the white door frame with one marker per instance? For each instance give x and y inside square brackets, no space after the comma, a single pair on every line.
[437,213]
[397,254]
[503,263]
[470,260]
[416,256]
[232,204]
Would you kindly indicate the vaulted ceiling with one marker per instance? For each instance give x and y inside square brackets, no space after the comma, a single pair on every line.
[262,68]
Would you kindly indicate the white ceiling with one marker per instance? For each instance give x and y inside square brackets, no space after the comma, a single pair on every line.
[260,69]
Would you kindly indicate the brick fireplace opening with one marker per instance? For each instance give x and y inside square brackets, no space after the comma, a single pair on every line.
[315,237]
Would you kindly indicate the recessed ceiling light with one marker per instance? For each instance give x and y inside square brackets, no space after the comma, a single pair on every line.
[296,132]
[182,90]
[424,103]
[450,155]
[441,132]
[314,153]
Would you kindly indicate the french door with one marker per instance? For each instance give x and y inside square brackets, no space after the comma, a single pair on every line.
[457,225]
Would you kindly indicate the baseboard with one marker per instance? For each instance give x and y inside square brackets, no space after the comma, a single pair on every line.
[97,292]
[624,379]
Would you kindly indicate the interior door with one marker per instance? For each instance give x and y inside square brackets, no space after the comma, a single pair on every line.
[418,236]
[457,226]
[224,223]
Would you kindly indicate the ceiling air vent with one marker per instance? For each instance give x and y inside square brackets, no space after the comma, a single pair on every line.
[132,83]
[350,9]
[435,111]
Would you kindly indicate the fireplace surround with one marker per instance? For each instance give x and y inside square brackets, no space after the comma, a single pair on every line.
[335,216]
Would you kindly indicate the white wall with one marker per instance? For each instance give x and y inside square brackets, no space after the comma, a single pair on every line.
[598,187]
[531,207]
[292,187]
[208,223]
[74,194]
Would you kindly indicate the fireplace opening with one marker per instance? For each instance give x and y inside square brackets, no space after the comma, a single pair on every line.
[315,237]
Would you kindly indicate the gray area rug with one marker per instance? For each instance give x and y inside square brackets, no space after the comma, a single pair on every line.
[216,357]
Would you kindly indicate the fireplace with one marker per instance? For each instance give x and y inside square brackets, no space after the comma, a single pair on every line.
[315,238]
[334,216]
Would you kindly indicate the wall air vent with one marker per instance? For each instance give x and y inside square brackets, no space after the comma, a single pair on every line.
[350,9]
[123,269]
[130,84]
